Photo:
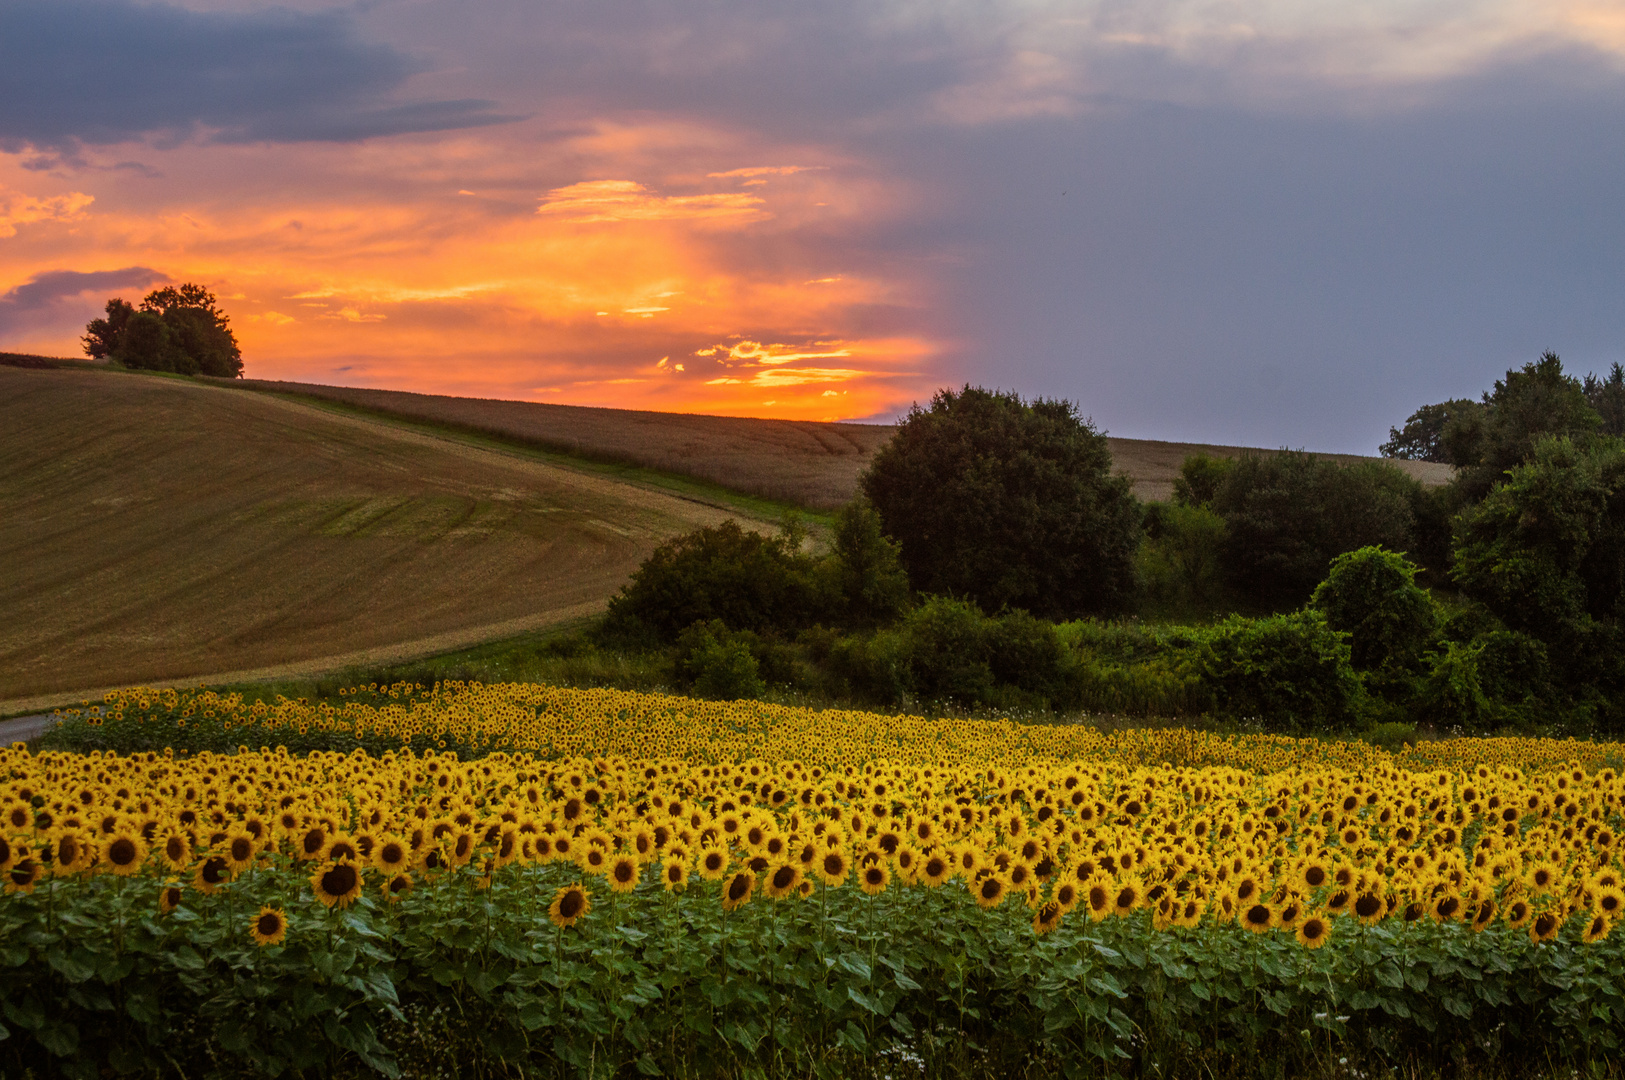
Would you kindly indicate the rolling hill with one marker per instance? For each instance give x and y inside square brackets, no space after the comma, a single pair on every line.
[804,462]
[165,529]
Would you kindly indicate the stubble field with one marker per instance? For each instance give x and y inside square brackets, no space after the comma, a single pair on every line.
[159,529]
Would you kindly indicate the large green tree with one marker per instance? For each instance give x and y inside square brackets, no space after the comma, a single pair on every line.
[1008,503]
[180,329]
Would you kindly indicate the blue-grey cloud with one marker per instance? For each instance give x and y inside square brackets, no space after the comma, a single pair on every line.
[46,298]
[106,71]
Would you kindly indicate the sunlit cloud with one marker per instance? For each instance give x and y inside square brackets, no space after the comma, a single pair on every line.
[594,201]
[17,208]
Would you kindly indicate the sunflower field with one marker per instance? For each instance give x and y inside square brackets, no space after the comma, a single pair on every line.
[595,883]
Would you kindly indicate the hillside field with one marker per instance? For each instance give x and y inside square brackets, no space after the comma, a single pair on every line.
[799,461]
[163,529]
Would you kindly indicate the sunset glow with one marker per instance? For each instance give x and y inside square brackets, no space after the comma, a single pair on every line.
[818,211]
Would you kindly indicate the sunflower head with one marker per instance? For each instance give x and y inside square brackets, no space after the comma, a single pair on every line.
[269,927]
[1314,931]
[169,898]
[673,873]
[397,887]
[1258,918]
[737,889]
[989,891]
[570,905]
[874,879]
[1047,917]
[337,884]
[783,881]
[623,873]
[125,852]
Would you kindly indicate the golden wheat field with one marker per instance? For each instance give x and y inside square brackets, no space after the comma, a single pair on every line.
[805,462]
[172,529]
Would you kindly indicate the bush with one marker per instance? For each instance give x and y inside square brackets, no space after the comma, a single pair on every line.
[1291,672]
[1179,567]
[745,580]
[868,577]
[1009,504]
[1199,479]
[1371,594]
[714,664]
[1287,515]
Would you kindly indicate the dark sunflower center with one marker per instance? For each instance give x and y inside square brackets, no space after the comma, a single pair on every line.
[833,865]
[339,880]
[214,871]
[739,887]
[241,849]
[121,852]
[935,868]
[269,925]
[1315,877]
[1258,915]
[1367,905]
[991,888]
[1125,898]
[623,872]
[314,839]
[783,877]
[570,906]
[391,854]
[1313,929]
[873,875]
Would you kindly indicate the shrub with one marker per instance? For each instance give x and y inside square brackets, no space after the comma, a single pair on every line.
[1287,515]
[1178,563]
[744,579]
[868,578]
[1291,672]
[714,664]
[1371,594]
[1007,503]
[1199,479]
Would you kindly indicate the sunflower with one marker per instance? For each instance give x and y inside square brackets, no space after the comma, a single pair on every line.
[1314,932]
[269,927]
[1047,918]
[1314,873]
[737,890]
[1127,896]
[874,879]
[1066,895]
[713,863]
[832,868]
[397,887]
[783,881]
[239,851]
[989,892]
[70,854]
[1447,907]
[1369,908]
[23,875]
[1597,928]
[673,873]
[1609,901]
[337,884]
[623,873]
[1097,893]
[390,854]
[1545,926]
[1259,918]
[312,843]
[125,853]
[934,870]
[341,847]
[169,897]
[1518,914]
[1541,878]
[213,874]
[570,904]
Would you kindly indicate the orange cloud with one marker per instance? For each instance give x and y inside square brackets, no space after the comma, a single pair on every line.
[575,295]
[17,208]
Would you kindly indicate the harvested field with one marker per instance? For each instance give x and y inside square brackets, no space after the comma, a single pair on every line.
[162,529]
[805,462]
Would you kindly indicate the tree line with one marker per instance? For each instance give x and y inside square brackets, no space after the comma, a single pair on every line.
[994,558]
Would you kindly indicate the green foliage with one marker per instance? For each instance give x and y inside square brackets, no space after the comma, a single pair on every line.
[1178,563]
[1290,672]
[1287,515]
[1199,479]
[1007,503]
[714,664]
[1423,436]
[455,979]
[177,329]
[746,580]
[1371,594]
[1531,403]
[1607,398]
[1135,670]
[868,576]
[947,651]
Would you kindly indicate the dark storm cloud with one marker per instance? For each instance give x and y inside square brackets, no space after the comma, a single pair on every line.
[39,299]
[104,71]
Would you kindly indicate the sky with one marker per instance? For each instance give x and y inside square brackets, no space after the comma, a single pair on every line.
[1250,222]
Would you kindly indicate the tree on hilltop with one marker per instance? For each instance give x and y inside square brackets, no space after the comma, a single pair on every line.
[175,329]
